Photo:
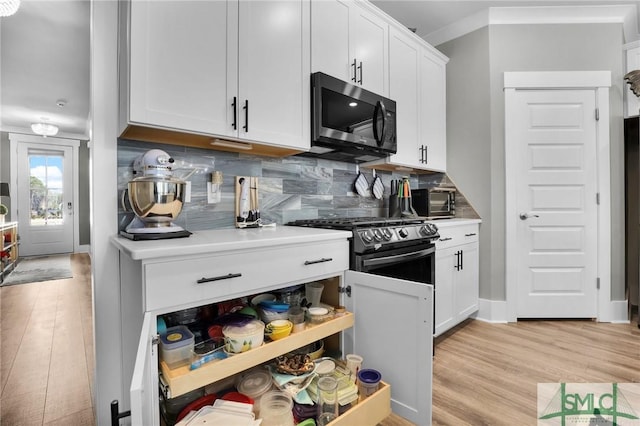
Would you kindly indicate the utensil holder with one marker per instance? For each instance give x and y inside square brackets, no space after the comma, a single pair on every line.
[394,206]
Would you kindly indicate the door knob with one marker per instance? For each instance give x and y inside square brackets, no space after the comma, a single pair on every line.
[525,216]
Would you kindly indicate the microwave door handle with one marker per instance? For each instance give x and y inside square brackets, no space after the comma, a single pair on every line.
[381,261]
[379,137]
[384,121]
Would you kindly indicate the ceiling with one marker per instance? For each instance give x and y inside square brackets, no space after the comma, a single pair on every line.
[44,58]
[44,54]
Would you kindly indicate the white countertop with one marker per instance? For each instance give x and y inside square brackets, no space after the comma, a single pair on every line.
[441,223]
[219,240]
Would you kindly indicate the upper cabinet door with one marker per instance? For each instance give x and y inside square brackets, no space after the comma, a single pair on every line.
[330,39]
[369,35]
[404,81]
[350,43]
[274,72]
[178,65]
[433,112]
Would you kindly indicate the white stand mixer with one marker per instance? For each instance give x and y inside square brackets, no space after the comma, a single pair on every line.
[155,197]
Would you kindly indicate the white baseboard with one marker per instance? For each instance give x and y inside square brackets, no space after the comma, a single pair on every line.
[492,311]
[619,311]
[496,311]
[85,248]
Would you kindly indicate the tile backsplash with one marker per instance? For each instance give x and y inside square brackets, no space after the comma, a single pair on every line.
[290,188]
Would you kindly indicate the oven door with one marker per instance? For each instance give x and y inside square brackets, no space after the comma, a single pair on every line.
[415,263]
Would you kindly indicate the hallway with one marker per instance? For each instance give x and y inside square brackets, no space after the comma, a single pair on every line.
[46,353]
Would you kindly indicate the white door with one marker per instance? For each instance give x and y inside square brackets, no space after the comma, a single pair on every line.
[274,84]
[45,199]
[402,311]
[555,175]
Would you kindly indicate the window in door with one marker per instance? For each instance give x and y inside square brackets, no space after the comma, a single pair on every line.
[46,189]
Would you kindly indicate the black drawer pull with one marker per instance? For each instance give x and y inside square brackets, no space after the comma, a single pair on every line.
[221,277]
[324,259]
[445,239]
[470,235]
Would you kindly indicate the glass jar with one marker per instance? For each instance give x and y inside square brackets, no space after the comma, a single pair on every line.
[327,400]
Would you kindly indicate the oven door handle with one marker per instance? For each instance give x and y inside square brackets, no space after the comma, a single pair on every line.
[381,261]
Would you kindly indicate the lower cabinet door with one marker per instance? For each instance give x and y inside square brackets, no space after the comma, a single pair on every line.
[144,382]
[394,321]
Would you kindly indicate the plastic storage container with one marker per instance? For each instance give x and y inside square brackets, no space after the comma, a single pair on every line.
[255,384]
[368,381]
[275,409]
[176,346]
[244,337]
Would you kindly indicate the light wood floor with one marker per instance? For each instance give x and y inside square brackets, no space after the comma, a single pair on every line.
[484,374]
[46,353]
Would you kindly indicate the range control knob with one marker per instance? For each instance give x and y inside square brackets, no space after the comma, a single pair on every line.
[425,230]
[386,234]
[377,234]
[403,233]
[367,236]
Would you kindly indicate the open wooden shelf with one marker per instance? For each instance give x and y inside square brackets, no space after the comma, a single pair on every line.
[10,246]
[182,380]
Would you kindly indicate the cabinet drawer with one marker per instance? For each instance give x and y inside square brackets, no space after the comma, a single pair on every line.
[225,276]
[454,235]
[369,411]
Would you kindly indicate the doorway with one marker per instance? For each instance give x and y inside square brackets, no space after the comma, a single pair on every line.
[557,194]
[45,182]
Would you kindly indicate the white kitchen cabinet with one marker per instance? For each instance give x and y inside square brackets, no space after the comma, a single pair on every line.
[349,41]
[231,70]
[417,82]
[393,331]
[203,268]
[457,273]
[433,110]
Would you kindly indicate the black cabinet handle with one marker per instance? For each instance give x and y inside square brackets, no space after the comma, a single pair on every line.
[324,259]
[246,115]
[461,259]
[354,70]
[221,277]
[423,154]
[234,104]
[360,68]
[470,235]
[445,239]
[457,261]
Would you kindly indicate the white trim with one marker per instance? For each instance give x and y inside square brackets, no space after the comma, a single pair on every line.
[14,140]
[557,79]
[84,248]
[493,311]
[619,310]
[597,14]
[583,80]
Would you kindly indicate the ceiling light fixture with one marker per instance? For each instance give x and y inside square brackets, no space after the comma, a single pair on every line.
[44,129]
[9,7]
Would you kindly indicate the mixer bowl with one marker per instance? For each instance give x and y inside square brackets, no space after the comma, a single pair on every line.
[156,200]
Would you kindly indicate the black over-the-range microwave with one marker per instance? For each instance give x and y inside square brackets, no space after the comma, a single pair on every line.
[349,123]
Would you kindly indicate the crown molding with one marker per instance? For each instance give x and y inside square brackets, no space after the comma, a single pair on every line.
[599,14]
